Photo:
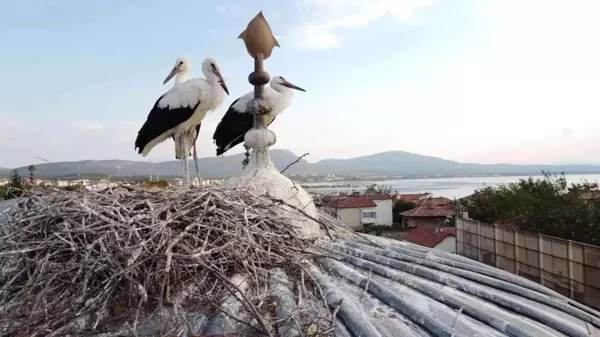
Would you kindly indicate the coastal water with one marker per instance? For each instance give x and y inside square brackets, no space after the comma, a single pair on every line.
[439,187]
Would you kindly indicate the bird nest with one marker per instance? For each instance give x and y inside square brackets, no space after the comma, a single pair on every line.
[65,255]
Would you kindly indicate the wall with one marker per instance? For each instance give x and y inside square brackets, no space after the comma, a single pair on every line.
[427,222]
[568,267]
[447,245]
[384,212]
[351,216]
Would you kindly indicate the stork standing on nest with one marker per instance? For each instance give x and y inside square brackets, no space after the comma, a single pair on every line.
[179,112]
[181,71]
[239,118]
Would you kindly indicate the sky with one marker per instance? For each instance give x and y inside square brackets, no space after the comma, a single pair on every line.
[483,81]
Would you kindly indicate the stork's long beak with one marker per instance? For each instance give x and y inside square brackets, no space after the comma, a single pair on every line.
[171,74]
[291,86]
[222,82]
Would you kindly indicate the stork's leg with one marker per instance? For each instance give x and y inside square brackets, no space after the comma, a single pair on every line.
[182,170]
[195,156]
[187,163]
[179,147]
[183,144]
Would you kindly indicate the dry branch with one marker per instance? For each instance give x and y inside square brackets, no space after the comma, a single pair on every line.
[294,162]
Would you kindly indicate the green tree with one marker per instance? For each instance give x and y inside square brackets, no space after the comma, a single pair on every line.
[378,189]
[548,206]
[14,189]
[399,207]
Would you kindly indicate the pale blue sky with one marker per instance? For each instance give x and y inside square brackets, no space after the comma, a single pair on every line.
[470,80]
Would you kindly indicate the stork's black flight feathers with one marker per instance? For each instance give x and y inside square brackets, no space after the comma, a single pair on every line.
[232,128]
[161,120]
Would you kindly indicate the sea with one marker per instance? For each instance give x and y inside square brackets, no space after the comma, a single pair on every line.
[440,187]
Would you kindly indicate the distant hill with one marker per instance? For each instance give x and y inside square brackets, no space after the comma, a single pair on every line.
[95,169]
[406,163]
[386,163]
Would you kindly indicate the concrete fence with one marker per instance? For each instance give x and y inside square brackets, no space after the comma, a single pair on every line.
[570,268]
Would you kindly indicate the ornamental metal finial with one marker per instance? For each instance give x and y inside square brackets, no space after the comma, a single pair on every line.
[259,41]
[258,38]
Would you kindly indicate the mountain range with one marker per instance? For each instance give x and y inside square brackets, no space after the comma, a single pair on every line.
[397,163]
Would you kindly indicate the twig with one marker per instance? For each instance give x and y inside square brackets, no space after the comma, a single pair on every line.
[63,165]
[294,162]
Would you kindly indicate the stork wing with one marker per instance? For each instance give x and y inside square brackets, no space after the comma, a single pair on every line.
[233,127]
[173,108]
[233,124]
[187,94]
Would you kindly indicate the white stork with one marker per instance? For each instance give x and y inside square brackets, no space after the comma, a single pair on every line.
[181,71]
[179,112]
[238,119]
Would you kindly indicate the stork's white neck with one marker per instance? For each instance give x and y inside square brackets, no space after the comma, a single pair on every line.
[182,76]
[211,78]
[218,94]
[284,99]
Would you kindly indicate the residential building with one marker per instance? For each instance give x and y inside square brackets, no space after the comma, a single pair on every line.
[432,212]
[100,185]
[443,238]
[358,211]
[385,205]
[354,211]
[415,198]
[35,181]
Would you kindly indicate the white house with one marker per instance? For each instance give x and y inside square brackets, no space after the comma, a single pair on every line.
[358,211]
[383,209]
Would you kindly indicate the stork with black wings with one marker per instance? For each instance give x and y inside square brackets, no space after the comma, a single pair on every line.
[179,112]
[239,119]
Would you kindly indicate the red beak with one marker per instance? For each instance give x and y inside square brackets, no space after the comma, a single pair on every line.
[291,86]
[171,74]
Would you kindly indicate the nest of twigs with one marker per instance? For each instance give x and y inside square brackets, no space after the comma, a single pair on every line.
[66,255]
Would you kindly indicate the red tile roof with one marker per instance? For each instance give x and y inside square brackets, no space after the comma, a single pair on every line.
[414,197]
[428,237]
[429,211]
[440,201]
[351,201]
[432,207]
[378,196]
